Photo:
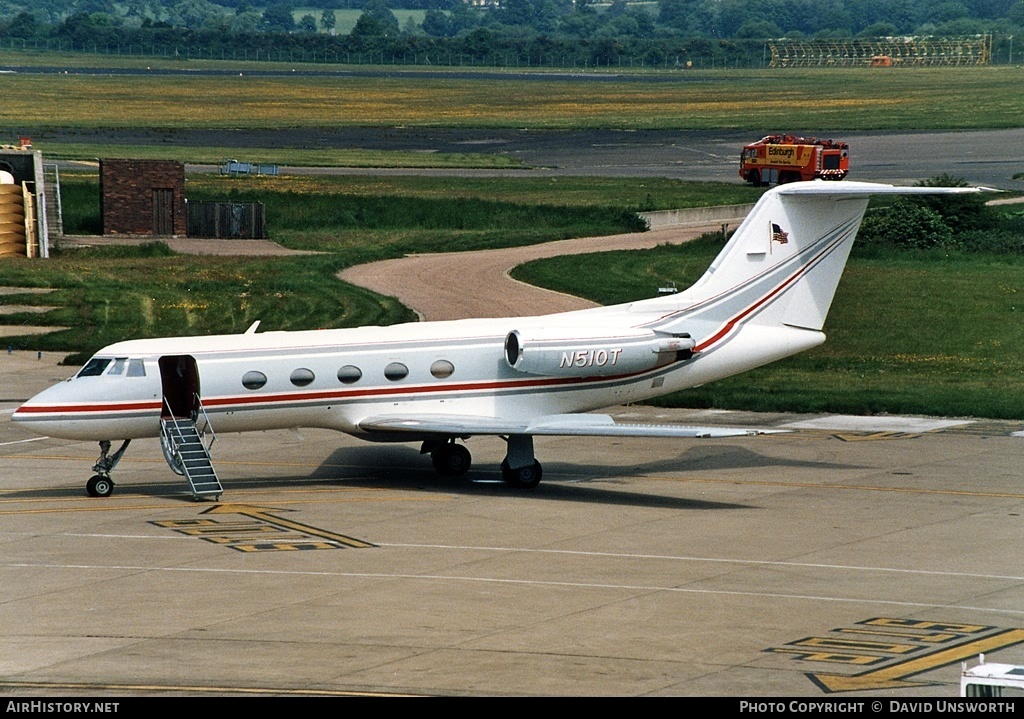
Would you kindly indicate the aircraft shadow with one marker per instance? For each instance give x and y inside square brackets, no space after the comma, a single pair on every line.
[403,467]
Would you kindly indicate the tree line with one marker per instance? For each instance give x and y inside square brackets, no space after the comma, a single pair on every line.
[703,33]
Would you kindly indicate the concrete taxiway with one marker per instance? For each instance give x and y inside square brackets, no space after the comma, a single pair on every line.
[868,555]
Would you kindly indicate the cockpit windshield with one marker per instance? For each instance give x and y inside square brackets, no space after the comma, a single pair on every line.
[94,367]
[112,366]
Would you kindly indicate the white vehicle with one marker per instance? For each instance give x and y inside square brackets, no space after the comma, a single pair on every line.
[991,680]
[763,298]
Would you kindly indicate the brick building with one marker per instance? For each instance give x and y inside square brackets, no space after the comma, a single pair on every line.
[142,197]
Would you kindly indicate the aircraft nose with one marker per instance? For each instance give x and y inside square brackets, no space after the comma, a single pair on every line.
[45,412]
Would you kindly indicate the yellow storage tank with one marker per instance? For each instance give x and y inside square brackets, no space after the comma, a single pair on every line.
[12,220]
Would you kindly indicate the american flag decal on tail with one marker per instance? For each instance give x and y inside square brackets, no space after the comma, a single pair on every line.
[777,235]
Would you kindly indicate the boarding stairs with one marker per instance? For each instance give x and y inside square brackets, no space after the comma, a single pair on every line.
[183,440]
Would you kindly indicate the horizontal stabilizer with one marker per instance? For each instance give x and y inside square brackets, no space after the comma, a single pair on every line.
[577,425]
[866,189]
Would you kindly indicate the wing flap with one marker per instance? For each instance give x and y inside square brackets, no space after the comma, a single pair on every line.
[573,425]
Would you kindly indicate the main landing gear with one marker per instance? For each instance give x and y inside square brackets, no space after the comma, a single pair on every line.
[450,459]
[100,484]
[519,469]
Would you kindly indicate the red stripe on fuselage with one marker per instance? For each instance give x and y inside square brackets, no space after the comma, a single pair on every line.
[327,395]
[63,408]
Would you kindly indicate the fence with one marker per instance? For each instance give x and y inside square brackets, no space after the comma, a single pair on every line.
[233,220]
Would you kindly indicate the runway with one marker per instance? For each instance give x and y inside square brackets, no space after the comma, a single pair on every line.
[844,555]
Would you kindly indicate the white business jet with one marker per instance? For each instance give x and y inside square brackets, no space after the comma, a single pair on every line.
[764,297]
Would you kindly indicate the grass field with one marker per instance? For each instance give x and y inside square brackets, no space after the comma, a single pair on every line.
[918,333]
[848,99]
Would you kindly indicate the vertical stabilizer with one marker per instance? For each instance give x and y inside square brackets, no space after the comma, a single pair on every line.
[782,266]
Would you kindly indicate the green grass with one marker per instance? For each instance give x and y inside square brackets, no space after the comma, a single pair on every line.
[625,192]
[107,295]
[837,99]
[919,333]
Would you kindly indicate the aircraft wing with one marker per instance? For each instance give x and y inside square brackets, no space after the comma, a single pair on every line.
[578,425]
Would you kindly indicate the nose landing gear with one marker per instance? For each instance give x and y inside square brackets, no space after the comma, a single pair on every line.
[100,484]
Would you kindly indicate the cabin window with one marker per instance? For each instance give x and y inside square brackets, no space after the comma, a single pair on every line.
[442,369]
[118,366]
[94,367]
[349,374]
[396,371]
[302,377]
[253,380]
[136,368]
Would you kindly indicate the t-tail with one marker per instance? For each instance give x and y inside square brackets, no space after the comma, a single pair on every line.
[767,294]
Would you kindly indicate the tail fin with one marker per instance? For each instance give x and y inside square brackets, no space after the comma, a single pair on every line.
[782,266]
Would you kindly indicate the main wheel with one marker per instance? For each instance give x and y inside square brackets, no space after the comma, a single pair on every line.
[452,460]
[526,477]
[99,486]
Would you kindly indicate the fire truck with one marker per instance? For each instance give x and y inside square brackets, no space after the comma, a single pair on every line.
[786,158]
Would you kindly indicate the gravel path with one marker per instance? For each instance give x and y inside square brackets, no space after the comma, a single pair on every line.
[477,284]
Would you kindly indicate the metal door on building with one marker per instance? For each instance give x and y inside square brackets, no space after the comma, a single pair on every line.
[163,212]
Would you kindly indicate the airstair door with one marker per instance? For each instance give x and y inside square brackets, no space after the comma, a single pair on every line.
[179,377]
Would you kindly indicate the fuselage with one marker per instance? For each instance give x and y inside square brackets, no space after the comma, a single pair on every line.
[336,378]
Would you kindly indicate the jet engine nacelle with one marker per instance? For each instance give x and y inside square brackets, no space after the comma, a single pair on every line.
[569,352]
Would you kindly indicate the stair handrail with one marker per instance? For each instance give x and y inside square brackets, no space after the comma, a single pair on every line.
[206,425]
[172,423]
[169,444]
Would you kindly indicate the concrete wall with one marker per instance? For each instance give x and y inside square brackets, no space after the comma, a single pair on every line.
[720,214]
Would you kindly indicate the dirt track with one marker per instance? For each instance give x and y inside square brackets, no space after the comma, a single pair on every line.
[477,284]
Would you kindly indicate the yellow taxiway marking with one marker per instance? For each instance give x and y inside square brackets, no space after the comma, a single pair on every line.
[263,515]
[95,506]
[893,677]
[873,436]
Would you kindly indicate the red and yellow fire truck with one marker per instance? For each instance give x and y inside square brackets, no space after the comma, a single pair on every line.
[786,158]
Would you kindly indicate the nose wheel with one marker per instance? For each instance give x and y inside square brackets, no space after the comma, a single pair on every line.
[99,486]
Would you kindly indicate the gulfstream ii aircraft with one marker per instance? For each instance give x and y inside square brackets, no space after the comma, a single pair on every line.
[763,298]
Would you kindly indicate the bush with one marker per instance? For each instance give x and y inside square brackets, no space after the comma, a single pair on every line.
[961,213]
[908,225]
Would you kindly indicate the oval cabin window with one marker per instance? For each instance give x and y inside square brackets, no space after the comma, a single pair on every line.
[349,374]
[442,369]
[302,377]
[253,380]
[396,371]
